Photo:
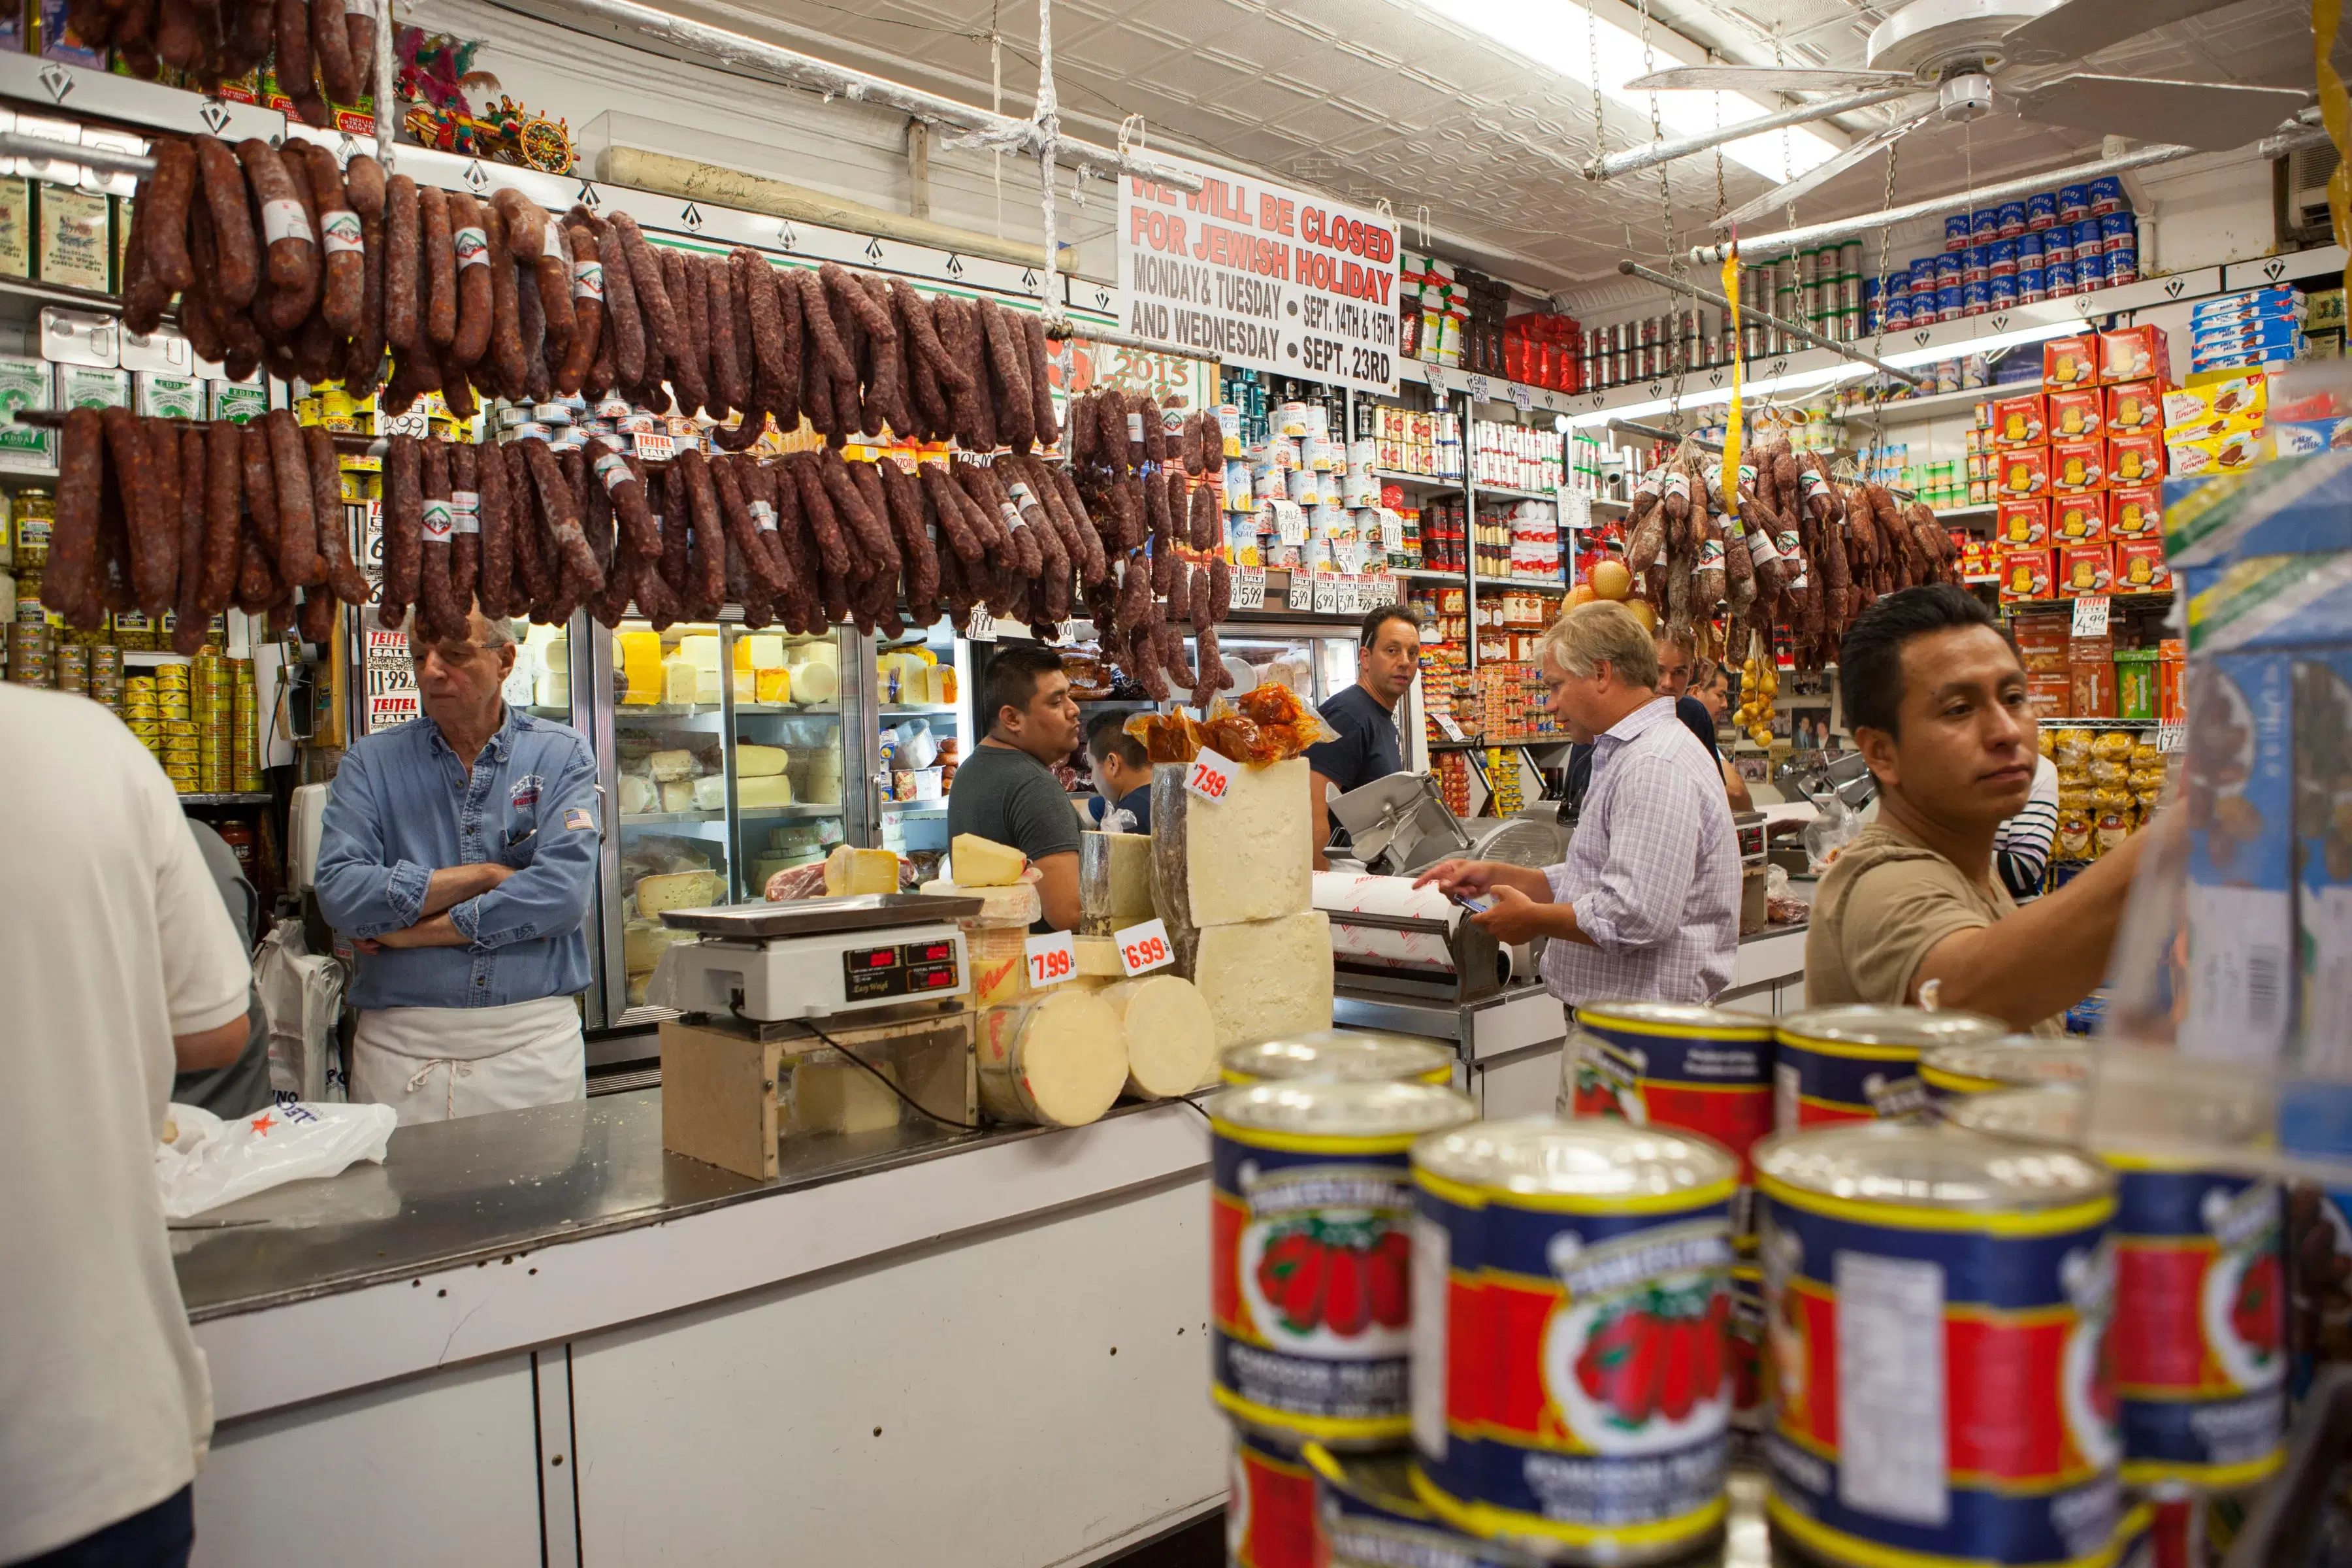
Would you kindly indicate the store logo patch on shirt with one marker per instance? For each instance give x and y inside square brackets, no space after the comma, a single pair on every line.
[577,819]
[526,792]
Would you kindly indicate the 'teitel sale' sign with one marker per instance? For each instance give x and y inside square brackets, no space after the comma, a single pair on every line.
[1259,275]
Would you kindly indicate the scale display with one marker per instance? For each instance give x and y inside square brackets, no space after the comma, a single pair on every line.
[904,969]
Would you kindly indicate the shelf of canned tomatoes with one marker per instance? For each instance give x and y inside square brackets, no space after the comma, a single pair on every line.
[1849,1275]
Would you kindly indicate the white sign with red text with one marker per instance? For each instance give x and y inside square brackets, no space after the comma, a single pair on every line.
[1257,275]
[1210,776]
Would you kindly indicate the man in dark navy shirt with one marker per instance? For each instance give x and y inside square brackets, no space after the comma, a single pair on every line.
[1388,657]
[1122,772]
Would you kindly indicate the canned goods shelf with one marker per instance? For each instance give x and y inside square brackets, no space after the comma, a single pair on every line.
[1909,410]
[1423,481]
[232,797]
[1509,494]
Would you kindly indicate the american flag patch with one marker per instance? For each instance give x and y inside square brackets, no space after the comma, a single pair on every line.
[577,819]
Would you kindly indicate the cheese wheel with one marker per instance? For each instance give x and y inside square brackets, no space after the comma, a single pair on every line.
[677,795]
[1172,1039]
[851,870]
[677,890]
[759,762]
[1016,906]
[676,765]
[756,794]
[639,794]
[1244,858]
[1057,1061]
[985,863]
[816,682]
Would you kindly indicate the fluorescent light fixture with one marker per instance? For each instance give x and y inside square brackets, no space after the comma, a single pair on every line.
[1992,346]
[1795,380]
[1571,40]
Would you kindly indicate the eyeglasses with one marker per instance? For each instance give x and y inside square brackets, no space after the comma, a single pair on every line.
[450,652]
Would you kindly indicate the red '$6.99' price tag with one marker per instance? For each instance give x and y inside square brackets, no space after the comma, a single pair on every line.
[1053,958]
[1144,948]
[1210,776]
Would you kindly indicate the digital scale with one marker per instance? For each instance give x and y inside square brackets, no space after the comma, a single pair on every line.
[811,958]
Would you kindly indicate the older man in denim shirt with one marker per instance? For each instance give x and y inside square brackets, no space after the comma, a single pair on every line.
[459,853]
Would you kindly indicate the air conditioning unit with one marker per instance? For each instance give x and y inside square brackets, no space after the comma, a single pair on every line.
[2299,186]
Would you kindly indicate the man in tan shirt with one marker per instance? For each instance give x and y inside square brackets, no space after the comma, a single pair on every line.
[1911,912]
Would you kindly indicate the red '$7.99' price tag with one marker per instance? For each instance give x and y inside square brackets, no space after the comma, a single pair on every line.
[1053,958]
[1143,948]
[1210,776]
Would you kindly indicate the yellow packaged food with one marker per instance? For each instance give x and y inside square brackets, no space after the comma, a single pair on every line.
[2108,771]
[2075,834]
[2113,828]
[2112,743]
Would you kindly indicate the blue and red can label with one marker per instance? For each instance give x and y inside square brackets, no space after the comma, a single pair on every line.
[2090,268]
[2041,209]
[2074,203]
[1955,231]
[2106,196]
[1573,1382]
[2012,219]
[2058,245]
[1942,1394]
[1819,1082]
[1270,1512]
[1310,1284]
[2199,1349]
[1695,1078]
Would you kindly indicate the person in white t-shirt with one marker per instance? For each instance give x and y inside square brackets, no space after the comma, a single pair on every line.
[118,965]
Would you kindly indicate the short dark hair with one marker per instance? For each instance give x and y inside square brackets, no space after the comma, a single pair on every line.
[1869,661]
[1106,736]
[1012,678]
[1380,616]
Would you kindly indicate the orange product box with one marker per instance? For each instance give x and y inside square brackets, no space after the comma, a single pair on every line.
[2171,660]
[2139,566]
[2084,570]
[2018,523]
[2078,466]
[2075,415]
[2135,353]
[2136,459]
[2134,405]
[2094,681]
[2020,421]
[2078,519]
[2020,472]
[2135,512]
[2027,575]
[2068,362]
[2041,643]
[2049,696]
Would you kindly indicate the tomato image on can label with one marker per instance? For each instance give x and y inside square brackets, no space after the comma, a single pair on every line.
[1311,1255]
[1703,1070]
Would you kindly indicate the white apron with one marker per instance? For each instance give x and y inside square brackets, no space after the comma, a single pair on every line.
[435,1064]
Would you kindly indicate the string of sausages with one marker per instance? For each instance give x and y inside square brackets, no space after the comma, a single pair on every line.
[1796,549]
[321,49]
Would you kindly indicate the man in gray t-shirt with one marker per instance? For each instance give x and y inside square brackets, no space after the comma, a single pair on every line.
[1006,792]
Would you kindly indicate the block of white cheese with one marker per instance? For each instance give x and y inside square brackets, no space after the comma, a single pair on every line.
[1096,956]
[841,1098]
[706,686]
[985,863]
[668,765]
[710,792]
[767,651]
[663,891]
[759,762]
[642,941]
[1248,856]
[761,794]
[816,682]
[677,681]
[1014,907]
[1172,1039]
[639,795]
[1264,978]
[1057,1061]
[677,795]
[1114,882]
[848,870]
[700,649]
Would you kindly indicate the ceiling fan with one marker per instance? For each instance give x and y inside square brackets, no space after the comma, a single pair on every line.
[2025,53]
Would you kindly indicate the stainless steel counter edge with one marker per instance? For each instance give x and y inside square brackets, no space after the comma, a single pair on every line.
[633,1247]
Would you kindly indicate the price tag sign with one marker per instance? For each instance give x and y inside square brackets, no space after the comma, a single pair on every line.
[1249,588]
[2090,616]
[1521,398]
[1391,530]
[1352,594]
[981,627]
[1388,590]
[1210,776]
[1144,948]
[1052,959]
[1290,522]
[1066,632]
[656,446]
[1302,589]
[1326,600]
[1445,723]
[2172,737]
[1476,387]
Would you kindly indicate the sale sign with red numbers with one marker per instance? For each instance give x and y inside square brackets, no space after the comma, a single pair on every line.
[1052,958]
[1210,776]
[1144,948]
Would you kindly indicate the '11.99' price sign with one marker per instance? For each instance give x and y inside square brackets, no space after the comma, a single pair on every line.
[1143,948]
[1052,959]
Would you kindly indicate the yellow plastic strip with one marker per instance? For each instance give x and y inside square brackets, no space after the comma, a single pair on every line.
[1329,1428]
[1313,1142]
[2027,1222]
[2336,113]
[1730,477]
[2222,1478]
[1487,1522]
[1838,1546]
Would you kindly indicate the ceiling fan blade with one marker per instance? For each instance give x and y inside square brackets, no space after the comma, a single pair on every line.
[2074,28]
[1765,78]
[1821,174]
[2210,115]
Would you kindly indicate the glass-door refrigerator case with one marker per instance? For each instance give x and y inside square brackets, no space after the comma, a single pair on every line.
[730,758]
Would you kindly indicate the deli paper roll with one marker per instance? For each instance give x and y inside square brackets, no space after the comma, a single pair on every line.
[1341,893]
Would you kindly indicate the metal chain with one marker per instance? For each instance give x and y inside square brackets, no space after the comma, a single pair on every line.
[1592,46]
[1676,263]
[1878,345]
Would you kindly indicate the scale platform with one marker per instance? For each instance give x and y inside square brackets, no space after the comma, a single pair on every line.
[809,958]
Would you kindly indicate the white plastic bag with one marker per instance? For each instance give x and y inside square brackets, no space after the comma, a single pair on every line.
[211,1161]
[302,993]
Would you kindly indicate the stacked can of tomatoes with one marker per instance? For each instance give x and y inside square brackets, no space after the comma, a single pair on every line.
[1310,1281]
[2199,1346]
[1346,1055]
[1854,1063]
[1965,1068]
[1572,1300]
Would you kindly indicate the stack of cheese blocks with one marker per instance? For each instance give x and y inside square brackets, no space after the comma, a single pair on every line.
[1234,880]
[1061,1055]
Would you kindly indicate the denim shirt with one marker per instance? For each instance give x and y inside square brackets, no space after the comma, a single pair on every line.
[403,808]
